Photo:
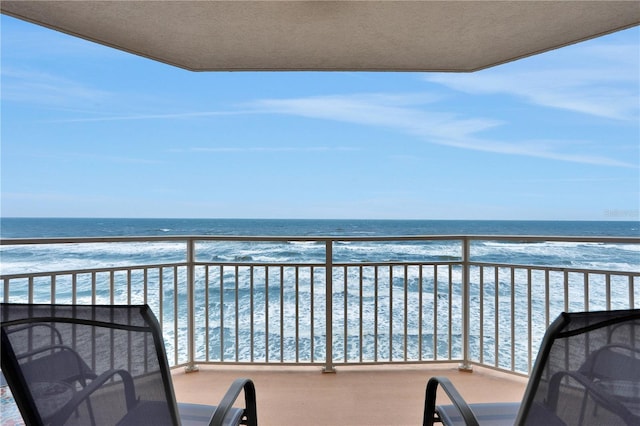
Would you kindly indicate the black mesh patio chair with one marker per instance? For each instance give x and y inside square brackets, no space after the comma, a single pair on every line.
[587,373]
[100,365]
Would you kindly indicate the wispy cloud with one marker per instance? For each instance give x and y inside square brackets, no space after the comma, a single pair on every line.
[599,80]
[127,160]
[87,103]
[409,116]
[63,157]
[574,180]
[386,110]
[135,117]
[259,149]
[46,89]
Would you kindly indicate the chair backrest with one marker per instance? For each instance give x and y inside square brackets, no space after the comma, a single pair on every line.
[587,371]
[52,353]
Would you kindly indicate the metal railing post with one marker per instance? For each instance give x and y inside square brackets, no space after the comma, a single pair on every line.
[191,312]
[328,367]
[465,365]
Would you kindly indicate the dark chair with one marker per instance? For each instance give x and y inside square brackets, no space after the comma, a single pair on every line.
[100,365]
[582,376]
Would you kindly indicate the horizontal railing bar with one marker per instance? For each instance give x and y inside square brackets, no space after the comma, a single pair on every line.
[337,363]
[394,263]
[316,265]
[93,270]
[322,264]
[319,239]
[555,268]
[263,264]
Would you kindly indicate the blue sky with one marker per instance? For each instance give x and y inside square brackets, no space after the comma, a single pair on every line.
[89,131]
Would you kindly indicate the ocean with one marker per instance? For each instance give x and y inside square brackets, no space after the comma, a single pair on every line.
[64,257]
[86,227]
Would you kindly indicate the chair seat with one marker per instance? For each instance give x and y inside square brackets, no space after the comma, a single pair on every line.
[199,414]
[156,413]
[147,413]
[497,414]
[494,414]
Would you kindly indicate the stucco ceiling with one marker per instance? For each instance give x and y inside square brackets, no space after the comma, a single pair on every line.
[331,35]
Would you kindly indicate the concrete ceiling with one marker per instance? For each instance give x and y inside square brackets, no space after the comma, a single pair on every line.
[331,35]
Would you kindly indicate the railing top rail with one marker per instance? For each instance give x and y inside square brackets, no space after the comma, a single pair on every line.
[269,238]
[314,265]
[553,268]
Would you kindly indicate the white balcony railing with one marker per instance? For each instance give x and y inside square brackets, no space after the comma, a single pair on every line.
[330,307]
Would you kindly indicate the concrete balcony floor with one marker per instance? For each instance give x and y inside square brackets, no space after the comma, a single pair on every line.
[353,396]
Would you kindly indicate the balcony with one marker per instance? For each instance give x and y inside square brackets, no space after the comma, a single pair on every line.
[436,305]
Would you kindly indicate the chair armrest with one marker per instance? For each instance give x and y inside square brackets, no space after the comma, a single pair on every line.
[230,397]
[65,412]
[454,396]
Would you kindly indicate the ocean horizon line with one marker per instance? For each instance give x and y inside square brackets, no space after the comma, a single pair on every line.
[312,219]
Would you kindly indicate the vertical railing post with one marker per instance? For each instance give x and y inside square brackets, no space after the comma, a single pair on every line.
[191,311]
[5,295]
[328,367]
[465,365]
